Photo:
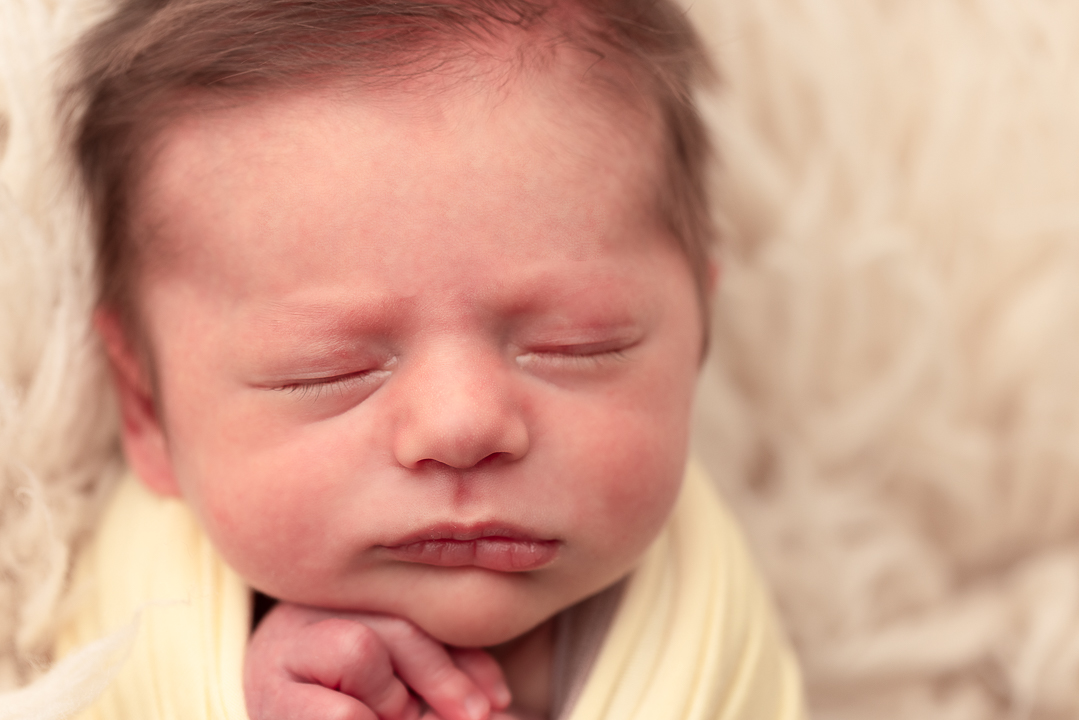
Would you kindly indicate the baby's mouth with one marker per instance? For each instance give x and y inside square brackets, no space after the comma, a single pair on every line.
[498,550]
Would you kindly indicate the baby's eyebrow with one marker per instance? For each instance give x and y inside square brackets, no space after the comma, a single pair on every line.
[287,333]
[357,314]
[382,313]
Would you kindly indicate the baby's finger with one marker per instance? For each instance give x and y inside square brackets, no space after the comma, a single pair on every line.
[314,702]
[426,666]
[350,657]
[486,673]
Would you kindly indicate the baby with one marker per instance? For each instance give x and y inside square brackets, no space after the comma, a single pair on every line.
[405,303]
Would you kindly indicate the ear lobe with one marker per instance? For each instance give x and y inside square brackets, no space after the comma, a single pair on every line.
[143,435]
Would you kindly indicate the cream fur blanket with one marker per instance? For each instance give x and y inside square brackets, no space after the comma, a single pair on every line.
[891,403]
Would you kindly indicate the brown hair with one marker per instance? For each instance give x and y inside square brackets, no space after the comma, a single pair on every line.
[153,58]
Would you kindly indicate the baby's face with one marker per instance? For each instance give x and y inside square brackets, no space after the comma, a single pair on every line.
[431,358]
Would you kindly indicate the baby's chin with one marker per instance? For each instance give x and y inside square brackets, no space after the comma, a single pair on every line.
[480,609]
[480,625]
[463,607]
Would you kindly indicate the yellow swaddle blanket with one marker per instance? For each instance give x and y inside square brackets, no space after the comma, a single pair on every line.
[694,637]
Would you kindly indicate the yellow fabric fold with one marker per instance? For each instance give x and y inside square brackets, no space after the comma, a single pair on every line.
[694,638]
[151,559]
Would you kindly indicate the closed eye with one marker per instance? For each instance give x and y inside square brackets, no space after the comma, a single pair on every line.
[586,356]
[333,385]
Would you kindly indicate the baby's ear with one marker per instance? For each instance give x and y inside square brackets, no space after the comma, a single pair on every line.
[141,430]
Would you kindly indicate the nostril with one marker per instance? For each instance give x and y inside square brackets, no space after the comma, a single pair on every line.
[494,458]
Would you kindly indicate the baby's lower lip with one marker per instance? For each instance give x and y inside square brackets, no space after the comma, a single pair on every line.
[490,553]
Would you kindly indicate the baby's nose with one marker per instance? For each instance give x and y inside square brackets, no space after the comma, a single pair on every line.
[460,412]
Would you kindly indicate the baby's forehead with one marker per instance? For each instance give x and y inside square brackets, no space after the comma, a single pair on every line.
[151,76]
[239,140]
[338,156]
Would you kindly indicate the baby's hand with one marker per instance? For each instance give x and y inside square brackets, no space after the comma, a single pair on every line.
[304,663]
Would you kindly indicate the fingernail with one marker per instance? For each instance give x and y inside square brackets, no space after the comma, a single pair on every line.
[477,707]
[503,698]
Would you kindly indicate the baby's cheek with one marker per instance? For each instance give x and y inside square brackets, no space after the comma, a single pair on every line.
[256,530]
[630,504]
[647,481]
[637,510]
[245,533]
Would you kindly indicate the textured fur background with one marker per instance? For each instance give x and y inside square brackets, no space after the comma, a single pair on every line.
[892,404]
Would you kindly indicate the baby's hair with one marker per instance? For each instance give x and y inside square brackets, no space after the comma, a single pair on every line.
[154,60]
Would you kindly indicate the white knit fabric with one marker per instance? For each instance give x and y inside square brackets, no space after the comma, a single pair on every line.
[893,401]
[891,404]
[57,433]
[74,682]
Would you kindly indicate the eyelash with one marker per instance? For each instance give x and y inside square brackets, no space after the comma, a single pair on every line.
[336,385]
[583,360]
[339,384]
